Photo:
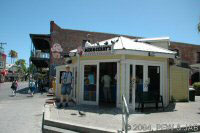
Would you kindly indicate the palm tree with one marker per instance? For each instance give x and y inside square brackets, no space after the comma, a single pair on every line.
[13,55]
[199,27]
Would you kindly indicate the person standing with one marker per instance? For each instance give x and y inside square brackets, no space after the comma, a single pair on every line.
[66,87]
[53,85]
[32,87]
[40,84]
[14,87]
[91,78]
[106,80]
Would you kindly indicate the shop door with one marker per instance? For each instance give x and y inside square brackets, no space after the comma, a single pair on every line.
[90,83]
[154,79]
[142,77]
[136,83]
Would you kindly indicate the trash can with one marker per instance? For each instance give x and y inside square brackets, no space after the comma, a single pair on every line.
[191,94]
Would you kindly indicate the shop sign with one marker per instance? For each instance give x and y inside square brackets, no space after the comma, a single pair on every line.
[97,50]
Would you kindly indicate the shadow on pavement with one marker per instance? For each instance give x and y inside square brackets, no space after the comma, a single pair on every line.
[169,108]
[92,109]
[27,91]
[23,91]
[116,111]
[29,96]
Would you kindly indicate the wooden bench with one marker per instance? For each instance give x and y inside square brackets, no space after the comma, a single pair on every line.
[147,97]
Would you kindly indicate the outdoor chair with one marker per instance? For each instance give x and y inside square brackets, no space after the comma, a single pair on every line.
[148,97]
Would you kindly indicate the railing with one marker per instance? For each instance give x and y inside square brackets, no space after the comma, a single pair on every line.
[125,115]
[39,54]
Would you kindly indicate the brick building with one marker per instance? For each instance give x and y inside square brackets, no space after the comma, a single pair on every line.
[2,64]
[188,54]
[71,39]
[67,39]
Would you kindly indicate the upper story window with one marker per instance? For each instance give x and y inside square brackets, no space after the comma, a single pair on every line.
[198,57]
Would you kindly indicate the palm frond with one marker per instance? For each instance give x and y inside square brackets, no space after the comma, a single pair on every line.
[199,27]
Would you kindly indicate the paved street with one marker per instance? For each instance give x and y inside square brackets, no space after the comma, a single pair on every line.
[20,114]
[176,114]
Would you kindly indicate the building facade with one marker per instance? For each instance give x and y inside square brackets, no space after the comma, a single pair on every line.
[60,41]
[188,55]
[2,64]
[106,70]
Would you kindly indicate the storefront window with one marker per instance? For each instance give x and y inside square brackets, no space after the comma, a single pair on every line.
[131,84]
[139,81]
[90,82]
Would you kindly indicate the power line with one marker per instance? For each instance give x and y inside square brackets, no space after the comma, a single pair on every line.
[2,43]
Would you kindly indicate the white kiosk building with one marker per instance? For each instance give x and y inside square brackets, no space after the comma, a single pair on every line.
[133,66]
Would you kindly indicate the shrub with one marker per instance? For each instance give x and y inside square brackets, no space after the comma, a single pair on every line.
[196,85]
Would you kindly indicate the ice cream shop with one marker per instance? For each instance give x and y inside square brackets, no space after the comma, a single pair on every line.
[106,70]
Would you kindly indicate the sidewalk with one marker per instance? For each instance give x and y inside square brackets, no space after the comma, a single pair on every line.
[110,119]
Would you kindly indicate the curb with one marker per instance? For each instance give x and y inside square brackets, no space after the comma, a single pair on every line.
[54,126]
[48,122]
[48,129]
[76,127]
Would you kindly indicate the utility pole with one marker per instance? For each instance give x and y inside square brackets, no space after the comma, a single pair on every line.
[1,46]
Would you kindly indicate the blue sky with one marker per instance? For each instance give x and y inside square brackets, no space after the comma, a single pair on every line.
[177,19]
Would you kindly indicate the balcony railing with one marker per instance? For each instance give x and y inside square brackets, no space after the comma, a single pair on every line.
[39,54]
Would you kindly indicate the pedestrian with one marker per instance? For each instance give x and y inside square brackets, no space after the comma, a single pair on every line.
[106,80]
[54,85]
[14,87]
[40,85]
[32,87]
[66,81]
[91,78]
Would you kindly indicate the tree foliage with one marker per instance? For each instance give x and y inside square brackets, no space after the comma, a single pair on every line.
[199,27]
[31,69]
[13,54]
[21,63]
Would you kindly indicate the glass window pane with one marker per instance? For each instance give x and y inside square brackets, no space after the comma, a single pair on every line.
[90,82]
[139,80]
[131,84]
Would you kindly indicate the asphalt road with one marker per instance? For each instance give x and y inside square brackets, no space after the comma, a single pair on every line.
[21,113]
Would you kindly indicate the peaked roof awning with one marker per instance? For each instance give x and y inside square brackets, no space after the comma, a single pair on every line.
[124,45]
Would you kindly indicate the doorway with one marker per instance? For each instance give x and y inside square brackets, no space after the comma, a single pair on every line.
[108,84]
[142,77]
[154,79]
[90,84]
[139,75]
